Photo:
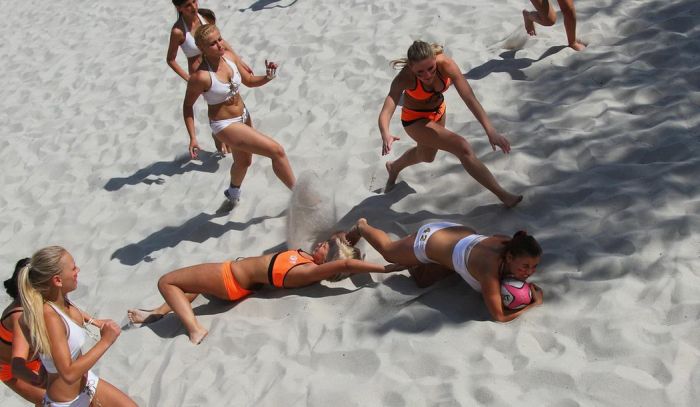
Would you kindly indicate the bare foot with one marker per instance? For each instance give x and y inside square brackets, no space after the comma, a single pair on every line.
[198,336]
[392,176]
[142,316]
[361,224]
[512,200]
[529,25]
[578,46]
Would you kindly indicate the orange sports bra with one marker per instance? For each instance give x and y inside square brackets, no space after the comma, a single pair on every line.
[5,334]
[281,263]
[419,92]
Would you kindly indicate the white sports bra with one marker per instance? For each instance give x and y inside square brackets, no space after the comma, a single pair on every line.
[220,92]
[76,339]
[189,47]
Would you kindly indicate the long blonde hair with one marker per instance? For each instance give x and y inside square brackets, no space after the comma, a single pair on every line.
[418,51]
[34,283]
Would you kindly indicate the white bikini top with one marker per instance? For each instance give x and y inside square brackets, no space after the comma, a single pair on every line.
[76,339]
[189,47]
[219,92]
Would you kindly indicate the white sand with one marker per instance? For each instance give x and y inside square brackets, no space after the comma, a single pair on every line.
[605,147]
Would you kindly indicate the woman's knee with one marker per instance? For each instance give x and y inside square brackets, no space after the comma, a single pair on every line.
[163,282]
[278,153]
[427,156]
[243,161]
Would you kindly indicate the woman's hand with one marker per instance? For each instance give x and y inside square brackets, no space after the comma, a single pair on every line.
[537,294]
[270,70]
[387,142]
[110,331]
[194,148]
[497,139]
[394,267]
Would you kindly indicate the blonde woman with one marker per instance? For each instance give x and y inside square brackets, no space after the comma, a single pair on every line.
[426,73]
[234,280]
[20,373]
[219,79]
[56,332]
[189,18]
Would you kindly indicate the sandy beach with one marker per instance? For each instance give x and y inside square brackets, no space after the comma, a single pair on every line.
[605,148]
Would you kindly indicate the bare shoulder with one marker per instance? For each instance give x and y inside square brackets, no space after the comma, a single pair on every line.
[177,32]
[446,64]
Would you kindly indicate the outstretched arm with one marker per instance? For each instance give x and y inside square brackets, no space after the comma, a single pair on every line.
[307,274]
[240,62]
[491,291]
[388,109]
[467,94]
[195,87]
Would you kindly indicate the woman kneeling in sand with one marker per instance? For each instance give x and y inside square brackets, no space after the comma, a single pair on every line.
[218,79]
[56,328]
[482,261]
[426,75]
[234,280]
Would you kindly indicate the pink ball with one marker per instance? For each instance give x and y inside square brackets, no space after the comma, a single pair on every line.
[515,293]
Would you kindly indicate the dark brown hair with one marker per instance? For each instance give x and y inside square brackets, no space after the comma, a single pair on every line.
[522,244]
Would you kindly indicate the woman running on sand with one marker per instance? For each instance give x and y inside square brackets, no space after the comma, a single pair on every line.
[544,14]
[25,378]
[218,79]
[189,18]
[482,261]
[56,329]
[332,260]
[425,75]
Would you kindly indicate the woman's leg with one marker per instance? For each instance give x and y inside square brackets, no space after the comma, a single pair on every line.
[29,392]
[200,279]
[414,155]
[394,251]
[436,136]
[107,395]
[241,137]
[569,13]
[142,316]
[544,15]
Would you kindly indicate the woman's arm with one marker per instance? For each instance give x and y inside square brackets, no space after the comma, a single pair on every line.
[307,274]
[20,353]
[240,62]
[491,291]
[195,87]
[465,91]
[254,81]
[176,38]
[70,370]
[388,109]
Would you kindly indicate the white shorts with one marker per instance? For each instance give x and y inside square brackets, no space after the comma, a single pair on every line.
[460,257]
[218,125]
[422,237]
[84,397]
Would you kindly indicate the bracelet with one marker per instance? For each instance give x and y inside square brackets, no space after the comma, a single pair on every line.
[90,321]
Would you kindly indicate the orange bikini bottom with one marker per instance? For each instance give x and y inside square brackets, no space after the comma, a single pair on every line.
[6,369]
[409,116]
[233,289]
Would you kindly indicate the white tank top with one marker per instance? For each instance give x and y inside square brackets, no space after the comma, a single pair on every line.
[220,92]
[189,47]
[76,339]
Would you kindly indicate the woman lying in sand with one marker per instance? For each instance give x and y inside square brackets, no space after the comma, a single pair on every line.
[189,18]
[545,15]
[24,378]
[56,329]
[234,280]
[482,261]
[426,75]
[218,79]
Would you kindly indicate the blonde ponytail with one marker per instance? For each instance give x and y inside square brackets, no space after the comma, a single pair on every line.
[418,51]
[33,283]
